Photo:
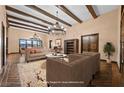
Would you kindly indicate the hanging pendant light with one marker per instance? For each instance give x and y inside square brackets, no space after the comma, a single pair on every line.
[57,29]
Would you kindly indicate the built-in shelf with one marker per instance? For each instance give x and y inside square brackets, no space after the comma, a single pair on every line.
[71,46]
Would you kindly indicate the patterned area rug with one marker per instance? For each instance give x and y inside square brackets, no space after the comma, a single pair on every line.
[33,74]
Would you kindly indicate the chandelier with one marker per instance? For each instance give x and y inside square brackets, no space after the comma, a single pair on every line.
[57,29]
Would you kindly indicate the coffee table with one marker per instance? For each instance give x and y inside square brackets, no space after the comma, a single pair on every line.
[59,55]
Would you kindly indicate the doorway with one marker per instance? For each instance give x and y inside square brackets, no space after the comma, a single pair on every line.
[2,46]
[90,43]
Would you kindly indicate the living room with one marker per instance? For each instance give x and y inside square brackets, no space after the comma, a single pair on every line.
[29,46]
[89,27]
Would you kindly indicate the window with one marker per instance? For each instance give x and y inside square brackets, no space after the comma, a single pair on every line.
[22,43]
[35,43]
[28,43]
[39,43]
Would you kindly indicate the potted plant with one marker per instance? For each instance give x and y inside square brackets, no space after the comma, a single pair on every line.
[109,49]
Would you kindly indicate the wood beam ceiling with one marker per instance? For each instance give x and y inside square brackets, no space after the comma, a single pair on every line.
[23,24]
[64,9]
[26,14]
[7,20]
[47,14]
[24,20]
[91,10]
[26,28]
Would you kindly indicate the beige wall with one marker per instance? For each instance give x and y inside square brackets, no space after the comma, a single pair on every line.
[15,34]
[106,25]
[118,39]
[2,19]
[54,38]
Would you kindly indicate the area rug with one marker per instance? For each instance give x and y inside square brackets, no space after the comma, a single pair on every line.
[33,74]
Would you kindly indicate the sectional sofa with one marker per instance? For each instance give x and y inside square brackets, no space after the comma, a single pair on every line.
[77,71]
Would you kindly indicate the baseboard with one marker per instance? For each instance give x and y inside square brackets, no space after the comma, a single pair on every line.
[102,60]
[13,53]
[114,61]
[105,60]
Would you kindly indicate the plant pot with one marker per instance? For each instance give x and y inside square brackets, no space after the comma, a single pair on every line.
[108,60]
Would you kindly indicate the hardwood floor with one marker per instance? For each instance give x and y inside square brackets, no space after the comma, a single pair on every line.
[109,75]
[117,77]
[10,77]
[104,77]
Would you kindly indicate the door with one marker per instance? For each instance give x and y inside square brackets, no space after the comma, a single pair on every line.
[2,46]
[93,46]
[85,43]
[89,43]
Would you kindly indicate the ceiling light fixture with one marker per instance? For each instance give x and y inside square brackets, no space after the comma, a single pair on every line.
[57,29]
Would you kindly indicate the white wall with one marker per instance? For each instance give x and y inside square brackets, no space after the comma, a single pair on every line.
[14,34]
[2,19]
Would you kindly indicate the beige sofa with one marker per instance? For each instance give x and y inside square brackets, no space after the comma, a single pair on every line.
[78,71]
[34,54]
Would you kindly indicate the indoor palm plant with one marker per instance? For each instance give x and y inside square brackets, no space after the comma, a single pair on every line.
[109,49]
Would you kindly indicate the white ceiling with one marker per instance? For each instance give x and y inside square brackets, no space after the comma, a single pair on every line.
[102,9]
[52,10]
[79,10]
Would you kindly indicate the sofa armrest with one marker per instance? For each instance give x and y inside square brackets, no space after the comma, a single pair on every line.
[57,71]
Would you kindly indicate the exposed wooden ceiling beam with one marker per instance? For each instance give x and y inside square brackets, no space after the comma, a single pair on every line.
[23,24]
[64,9]
[91,10]
[26,14]
[27,28]
[21,19]
[47,14]
[7,21]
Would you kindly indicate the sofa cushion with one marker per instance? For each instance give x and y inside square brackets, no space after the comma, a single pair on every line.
[89,53]
[81,69]
[38,50]
[32,51]
[73,57]
[36,54]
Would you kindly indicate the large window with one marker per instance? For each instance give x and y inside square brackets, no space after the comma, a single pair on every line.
[28,43]
[35,43]
[22,43]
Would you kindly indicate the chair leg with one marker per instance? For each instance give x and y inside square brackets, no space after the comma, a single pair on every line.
[93,76]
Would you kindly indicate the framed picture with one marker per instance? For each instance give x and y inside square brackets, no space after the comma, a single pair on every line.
[58,42]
